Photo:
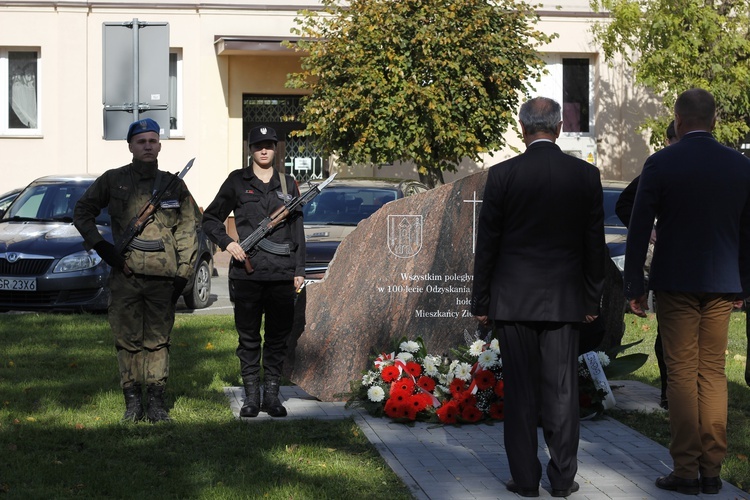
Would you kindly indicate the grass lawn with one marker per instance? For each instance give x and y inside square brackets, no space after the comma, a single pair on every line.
[61,435]
[736,468]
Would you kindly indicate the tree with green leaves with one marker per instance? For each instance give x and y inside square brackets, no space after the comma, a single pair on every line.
[675,45]
[428,81]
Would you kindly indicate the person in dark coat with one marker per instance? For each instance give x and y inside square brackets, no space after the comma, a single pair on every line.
[267,290]
[698,192]
[539,271]
[623,209]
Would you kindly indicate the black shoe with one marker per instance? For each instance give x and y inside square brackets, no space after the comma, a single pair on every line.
[710,485]
[566,493]
[133,404]
[251,405]
[157,409]
[524,492]
[664,403]
[678,484]
[271,403]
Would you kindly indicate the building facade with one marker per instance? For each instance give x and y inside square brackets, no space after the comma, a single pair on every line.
[227,72]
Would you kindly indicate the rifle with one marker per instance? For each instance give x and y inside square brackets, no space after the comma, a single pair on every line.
[145,215]
[268,224]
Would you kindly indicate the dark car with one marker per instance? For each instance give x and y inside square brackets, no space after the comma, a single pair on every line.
[337,210]
[615,232]
[43,264]
[7,198]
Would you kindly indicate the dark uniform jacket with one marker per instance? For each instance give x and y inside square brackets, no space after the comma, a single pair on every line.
[540,252]
[252,200]
[699,193]
[125,192]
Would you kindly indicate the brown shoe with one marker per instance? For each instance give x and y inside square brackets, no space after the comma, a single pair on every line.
[678,484]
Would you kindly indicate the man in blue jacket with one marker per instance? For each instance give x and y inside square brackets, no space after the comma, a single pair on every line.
[699,193]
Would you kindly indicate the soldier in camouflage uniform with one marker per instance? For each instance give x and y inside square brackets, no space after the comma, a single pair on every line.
[148,278]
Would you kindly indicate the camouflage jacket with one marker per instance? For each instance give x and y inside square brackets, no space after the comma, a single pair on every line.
[125,191]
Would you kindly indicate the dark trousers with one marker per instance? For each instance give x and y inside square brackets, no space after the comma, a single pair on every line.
[540,368]
[253,300]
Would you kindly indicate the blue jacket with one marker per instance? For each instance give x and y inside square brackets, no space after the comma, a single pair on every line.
[698,191]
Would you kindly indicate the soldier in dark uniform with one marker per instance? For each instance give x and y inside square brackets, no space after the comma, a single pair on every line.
[149,276]
[278,268]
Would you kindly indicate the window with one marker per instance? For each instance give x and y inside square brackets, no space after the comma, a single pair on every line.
[19,99]
[575,90]
[175,93]
[570,82]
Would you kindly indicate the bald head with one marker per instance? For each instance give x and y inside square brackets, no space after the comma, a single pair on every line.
[695,109]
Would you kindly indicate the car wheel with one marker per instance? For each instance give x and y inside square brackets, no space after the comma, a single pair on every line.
[197,298]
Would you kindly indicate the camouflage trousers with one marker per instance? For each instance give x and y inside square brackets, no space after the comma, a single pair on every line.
[141,315]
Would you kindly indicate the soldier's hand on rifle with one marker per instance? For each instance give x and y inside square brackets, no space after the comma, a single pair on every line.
[106,251]
[236,251]
[179,286]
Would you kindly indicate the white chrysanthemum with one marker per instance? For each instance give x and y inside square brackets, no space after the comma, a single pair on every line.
[446,378]
[369,378]
[405,356]
[487,359]
[409,346]
[476,347]
[431,364]
[463,371]
[603,358]
[453,365]
[375,394]
[495,346]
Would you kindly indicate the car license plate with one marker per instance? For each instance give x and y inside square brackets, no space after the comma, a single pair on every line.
[17,284]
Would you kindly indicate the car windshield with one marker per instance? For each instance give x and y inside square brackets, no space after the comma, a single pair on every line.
[49,203]
[346,206]
[610,200]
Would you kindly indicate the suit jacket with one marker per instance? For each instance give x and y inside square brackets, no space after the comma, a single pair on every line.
[540,250]
[699,193]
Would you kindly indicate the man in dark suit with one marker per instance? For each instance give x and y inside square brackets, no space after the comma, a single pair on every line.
[699,193]
[623,209]
[538,275]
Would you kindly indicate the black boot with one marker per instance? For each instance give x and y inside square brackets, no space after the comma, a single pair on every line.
[157,411]
[271,403]
[251,405]
[133,404]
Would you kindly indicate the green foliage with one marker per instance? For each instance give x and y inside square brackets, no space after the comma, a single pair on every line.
[675,45]
[429,81]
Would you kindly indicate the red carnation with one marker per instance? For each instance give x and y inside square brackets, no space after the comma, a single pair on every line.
[392,408]
[420,401]
[471,414]
[497,411]
[448,413]
[390,373]
[485,379]
[414,369]
[457,386]
[399,396]
[426,383]
[407,411]
[404,384]
[500,388]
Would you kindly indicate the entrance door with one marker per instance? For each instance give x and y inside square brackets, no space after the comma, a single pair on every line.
[294,155]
